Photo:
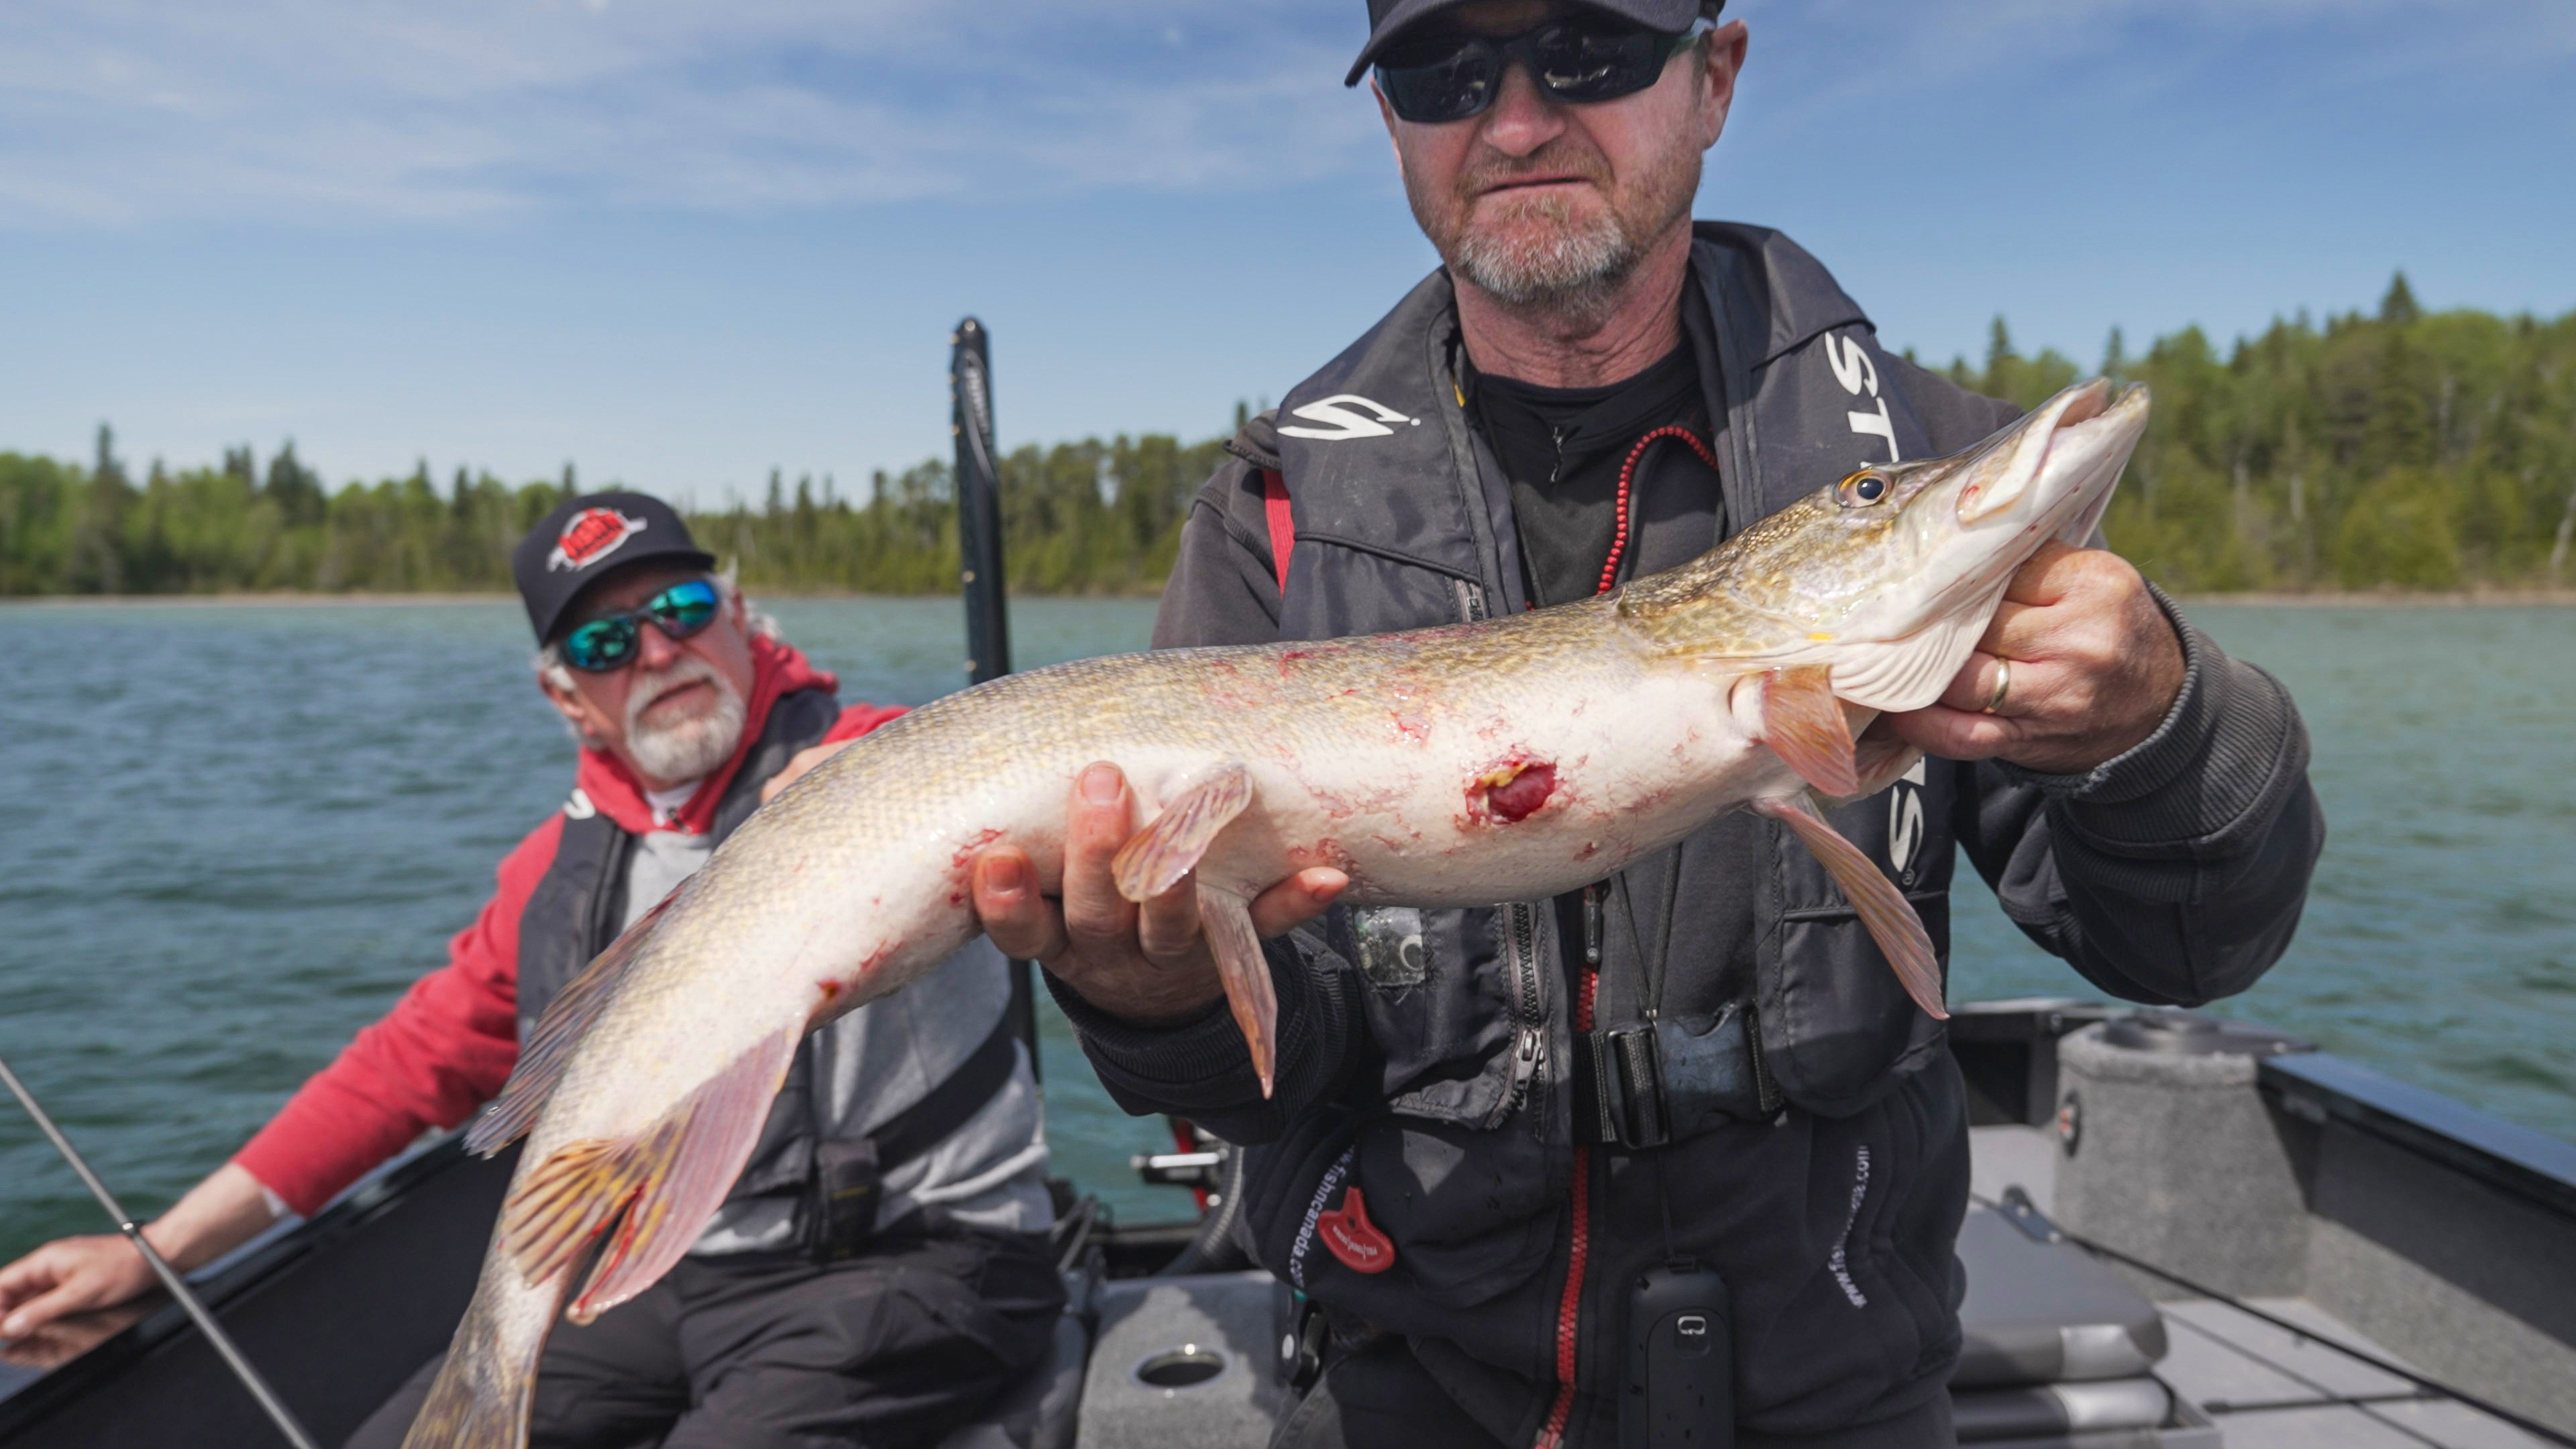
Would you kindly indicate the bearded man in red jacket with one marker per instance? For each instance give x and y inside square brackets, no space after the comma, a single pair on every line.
[795,1319]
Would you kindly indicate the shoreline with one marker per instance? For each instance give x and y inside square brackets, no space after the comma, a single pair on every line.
[2390,598]
[309,599]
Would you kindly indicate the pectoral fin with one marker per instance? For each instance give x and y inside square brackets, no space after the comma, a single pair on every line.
[1880,759]
[1156,857]
[658,1188]
[1227,920]
[1803,724]
[1883,908]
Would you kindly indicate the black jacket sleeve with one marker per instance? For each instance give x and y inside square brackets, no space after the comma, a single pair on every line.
[2176,872]
[1223,590]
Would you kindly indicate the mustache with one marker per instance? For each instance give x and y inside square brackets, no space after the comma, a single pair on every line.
[648,689]
[1558,159]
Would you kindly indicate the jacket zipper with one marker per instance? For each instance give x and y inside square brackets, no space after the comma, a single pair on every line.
[1529,1036]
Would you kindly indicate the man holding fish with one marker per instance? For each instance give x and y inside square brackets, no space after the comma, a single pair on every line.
[877,1270]
[1492,1137]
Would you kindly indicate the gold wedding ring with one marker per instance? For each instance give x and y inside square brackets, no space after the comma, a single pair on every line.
[2003,684]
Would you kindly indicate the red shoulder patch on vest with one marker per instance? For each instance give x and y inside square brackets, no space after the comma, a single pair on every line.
[1283,525]
[591,535]
[1352,1238]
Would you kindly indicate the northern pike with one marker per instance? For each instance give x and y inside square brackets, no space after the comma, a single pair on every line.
[1506,759]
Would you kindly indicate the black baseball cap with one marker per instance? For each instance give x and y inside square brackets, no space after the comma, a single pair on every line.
[587,538]
[1389,18]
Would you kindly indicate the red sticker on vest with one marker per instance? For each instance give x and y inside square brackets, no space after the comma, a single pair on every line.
[1351,1237]
[592,535]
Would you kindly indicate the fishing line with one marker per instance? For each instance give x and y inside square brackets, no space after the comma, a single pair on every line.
[2024,1214]
[169,1276]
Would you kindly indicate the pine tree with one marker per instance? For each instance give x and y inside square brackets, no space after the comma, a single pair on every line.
[2397,308]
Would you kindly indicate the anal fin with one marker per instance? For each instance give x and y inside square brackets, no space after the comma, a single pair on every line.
[1227,920]
[1883,908]
[1803,724]
[658,1188]
[1156,857]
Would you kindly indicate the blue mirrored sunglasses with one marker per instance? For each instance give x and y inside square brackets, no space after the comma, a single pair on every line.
[607,644]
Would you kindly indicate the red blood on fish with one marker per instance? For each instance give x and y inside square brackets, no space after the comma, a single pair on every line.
[1520,796]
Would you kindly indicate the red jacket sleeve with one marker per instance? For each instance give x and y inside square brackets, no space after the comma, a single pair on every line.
[858,719]
[443,1051]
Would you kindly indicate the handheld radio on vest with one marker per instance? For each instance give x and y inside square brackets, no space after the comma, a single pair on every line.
[1680,1389]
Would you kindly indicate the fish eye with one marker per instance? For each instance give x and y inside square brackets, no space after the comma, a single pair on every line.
[1861,489]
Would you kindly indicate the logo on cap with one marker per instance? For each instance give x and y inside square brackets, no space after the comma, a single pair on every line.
[592,535]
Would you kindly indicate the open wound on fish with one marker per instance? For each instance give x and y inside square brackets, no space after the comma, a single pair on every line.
[1803,724]
[1227,920]
[1883,908]
[566,1021]
[1156,857]
[656,1189]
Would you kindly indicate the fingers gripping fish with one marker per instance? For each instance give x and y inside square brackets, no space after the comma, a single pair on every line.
[1512,759]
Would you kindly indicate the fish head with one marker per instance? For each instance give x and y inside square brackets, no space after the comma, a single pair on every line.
[1894,550]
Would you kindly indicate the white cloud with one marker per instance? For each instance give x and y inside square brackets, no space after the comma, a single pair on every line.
[361,112]
[333,113]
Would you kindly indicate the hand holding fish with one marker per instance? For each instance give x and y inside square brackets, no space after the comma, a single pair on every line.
[2078,667]
[1146,963]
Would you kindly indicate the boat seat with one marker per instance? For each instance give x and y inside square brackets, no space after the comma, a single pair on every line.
[2101,1412]
[2056,1348]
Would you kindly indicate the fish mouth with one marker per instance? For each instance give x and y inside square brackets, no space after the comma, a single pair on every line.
[2049,476]
[2056,471]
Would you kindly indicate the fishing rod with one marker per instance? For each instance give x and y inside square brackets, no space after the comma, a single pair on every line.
[169,1276]
[2018,1209]
[979,546]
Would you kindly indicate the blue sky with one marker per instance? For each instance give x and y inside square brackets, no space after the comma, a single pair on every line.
[681,244]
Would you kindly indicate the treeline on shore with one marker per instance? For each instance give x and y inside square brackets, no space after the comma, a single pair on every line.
[2403,449]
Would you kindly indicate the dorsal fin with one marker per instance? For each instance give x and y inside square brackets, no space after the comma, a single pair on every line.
[567,1019]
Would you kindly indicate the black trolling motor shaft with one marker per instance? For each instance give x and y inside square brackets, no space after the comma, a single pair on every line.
[979,546]
[169,1276]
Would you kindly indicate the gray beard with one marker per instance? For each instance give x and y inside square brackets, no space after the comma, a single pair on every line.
[690,749]
[1575,273]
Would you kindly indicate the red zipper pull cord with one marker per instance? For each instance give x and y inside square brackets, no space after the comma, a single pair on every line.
[1569,1308]
[1628,477]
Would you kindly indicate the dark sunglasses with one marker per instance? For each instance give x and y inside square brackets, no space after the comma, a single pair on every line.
[1585,58]
[607,644]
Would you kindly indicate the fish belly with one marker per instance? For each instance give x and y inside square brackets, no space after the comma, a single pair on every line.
[1511,802]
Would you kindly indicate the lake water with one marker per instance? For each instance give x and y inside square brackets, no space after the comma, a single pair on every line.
[238,831]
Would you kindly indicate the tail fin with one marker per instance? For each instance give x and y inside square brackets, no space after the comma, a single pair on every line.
[481,1397]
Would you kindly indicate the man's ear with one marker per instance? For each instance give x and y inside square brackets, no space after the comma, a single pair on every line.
[1386,113]
[567,704]
[1722,60]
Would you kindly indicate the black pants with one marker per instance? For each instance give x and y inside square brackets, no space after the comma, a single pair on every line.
[1382,1398]
[762,1351]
